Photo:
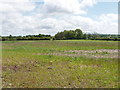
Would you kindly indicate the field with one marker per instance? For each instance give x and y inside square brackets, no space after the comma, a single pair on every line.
[60,64]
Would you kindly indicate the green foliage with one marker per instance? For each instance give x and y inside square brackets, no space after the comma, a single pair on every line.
[27,37]
[65,35]
[69,34]
[79,34]
[85,36]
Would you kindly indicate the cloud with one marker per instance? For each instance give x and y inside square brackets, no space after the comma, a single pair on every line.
[108,23]
[16,6]
[60,6]
[109,17]
[87,3]
[23,17]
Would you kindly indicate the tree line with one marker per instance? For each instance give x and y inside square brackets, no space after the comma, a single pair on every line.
[78,34]
[27,37]
[64,35]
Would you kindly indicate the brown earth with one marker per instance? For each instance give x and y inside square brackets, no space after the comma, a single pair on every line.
[100,53]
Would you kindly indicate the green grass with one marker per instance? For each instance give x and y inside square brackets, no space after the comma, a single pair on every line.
[26,65]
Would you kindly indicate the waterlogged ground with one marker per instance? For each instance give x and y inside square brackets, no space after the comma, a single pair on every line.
[60,64]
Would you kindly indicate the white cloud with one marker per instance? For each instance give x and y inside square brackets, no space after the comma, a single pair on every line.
[16,6]
[62,6]
[109,17]
[86,3]
[108,23]
[23,17]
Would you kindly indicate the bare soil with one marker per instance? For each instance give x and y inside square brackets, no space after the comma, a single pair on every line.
[100,53]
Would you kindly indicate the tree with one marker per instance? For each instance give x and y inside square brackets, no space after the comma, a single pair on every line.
[85,36]
[79,34]
[95,36]
[60,36]
[89,36]
[69,34]
[10,37]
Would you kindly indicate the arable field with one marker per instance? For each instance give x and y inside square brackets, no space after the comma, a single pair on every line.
[60,64]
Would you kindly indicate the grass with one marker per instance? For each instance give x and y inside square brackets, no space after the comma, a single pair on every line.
[23,67]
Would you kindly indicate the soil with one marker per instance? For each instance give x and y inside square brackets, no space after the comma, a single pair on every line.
[100,53]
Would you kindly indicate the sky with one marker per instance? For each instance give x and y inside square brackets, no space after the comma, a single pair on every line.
[28,17]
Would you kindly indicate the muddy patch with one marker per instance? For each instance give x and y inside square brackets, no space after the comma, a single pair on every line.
[95,51]
[100,53]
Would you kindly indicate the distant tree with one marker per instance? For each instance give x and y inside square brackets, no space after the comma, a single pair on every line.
[10,37]
[85,36]
[60,36]
[95,36]
[89,36]
[0,38]
[65,35]
[79,34]
[69,34]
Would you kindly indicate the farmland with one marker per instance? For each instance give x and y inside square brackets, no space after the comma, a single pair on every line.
[60,64]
